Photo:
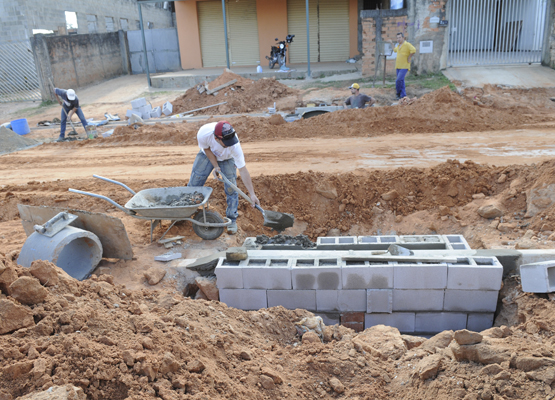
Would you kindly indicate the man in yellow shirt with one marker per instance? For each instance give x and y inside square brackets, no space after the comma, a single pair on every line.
[404,51]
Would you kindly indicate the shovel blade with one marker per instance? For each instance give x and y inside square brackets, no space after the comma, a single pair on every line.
[278,221]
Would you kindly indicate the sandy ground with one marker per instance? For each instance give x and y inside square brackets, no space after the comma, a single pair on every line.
[445,156]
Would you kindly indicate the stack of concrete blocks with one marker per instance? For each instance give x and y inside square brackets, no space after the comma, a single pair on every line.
[140,108]
[538,277]
[415,297]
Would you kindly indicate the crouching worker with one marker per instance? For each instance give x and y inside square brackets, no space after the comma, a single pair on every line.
[221,151]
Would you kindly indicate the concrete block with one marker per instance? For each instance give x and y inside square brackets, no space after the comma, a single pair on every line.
[422,242]
[470,300]
[265,277]
[404,321]
[244,299]
[456,242]
[363,275]
[538,277]
[229,274]
[137,103]
[479,322]
[128,113]
[327,300]
[379,301]
[417,300]
[467,274]
[437,322]
[167,108]
[156,112]
[352,300]
[292,299]
[329,318]
[419,276]
[321,274]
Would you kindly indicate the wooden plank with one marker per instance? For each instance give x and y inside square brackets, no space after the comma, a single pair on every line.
[221,86]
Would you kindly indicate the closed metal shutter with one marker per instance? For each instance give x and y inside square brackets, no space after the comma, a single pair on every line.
[211,29]
[334,30]
[296,25]
[242,32]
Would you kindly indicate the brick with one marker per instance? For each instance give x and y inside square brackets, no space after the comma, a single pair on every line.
[403,321]
[379,301]
[292,299]
[475,277]
[353,320]
[538,277]
[244,299]
[417,300]
[229,274]
[420,276]
[352,300]
[365,276]
[470,300]
[271,277]
[479,322]
[437,322]
[319,276]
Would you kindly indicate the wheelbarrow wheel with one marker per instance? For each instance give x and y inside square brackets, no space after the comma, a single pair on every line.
[208,232]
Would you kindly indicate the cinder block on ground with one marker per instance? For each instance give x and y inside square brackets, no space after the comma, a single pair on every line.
[479,322]
[244,299]
[229,274]
[420,276]
[404,321]
[128,113]
[276,277]
[138,103]
[417,300]
[353,320]
[437,322]
[167,108]
[468,275]
[352,300]
[363,275]
[379,301]
[292,299]
[321,274]
[156,112]
[538,277]
[470,300]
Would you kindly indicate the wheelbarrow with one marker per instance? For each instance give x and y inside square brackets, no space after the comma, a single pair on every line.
[152,204]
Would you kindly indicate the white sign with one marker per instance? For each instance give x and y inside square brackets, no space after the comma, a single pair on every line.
[434,20]
[426,46]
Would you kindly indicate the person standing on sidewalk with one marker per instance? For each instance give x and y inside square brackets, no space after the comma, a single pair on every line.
[70,103]
[221,151]
[404,51]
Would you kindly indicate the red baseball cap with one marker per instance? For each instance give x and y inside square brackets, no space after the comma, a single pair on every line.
[226,133]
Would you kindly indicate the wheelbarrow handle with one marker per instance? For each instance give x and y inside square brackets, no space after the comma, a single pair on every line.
[109,200]
[116,182]
[222,178]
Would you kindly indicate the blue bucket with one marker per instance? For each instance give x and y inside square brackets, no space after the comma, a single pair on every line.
[20,126]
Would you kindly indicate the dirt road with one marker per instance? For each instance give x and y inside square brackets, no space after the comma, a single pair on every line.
[49,163]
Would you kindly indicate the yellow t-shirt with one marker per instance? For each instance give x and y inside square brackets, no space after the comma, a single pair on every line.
[403,51]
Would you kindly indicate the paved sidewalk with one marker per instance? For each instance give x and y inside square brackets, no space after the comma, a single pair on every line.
[518,76]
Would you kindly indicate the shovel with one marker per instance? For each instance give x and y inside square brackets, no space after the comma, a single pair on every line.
[273,219]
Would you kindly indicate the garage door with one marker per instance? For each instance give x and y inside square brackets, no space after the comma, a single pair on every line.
[329,30]
[242,32]
[296,25]
[334,30]
[211,29]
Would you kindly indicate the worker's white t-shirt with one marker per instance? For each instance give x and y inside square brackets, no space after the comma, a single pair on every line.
[206,139]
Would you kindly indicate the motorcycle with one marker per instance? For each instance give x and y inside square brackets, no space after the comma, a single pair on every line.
[277,54]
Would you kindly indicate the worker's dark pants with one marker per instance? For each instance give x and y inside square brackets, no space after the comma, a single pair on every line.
[400,83]
[202,167]
[63,122]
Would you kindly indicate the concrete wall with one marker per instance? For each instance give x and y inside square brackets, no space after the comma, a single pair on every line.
[50,14]
[162,50]
[13,21]
[74,61]
[549,50]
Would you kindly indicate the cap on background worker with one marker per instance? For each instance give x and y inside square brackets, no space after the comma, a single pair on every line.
[358,100]
[355,86]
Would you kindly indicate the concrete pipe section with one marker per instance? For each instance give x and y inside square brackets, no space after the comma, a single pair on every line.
[74,250]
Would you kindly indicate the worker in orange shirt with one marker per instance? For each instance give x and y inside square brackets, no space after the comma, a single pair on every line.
[404,51]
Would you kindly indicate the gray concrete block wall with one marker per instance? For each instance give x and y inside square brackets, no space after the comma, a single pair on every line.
[13,21]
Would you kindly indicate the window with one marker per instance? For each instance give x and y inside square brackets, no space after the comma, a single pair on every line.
[43,32]
[150,25]
[92,25]
[71,22]
[109,24]
[123,24]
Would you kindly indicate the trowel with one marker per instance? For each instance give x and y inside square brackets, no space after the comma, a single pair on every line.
[273,219]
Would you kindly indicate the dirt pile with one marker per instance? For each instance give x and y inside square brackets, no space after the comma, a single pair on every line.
[11,141]
[244,96]
[529,101]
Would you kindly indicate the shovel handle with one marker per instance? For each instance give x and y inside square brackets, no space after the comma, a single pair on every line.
[222,178]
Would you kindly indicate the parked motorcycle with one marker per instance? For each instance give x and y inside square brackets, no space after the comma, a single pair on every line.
[277,54]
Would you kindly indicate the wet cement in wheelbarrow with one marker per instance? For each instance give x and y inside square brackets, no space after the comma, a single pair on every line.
[188,199]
